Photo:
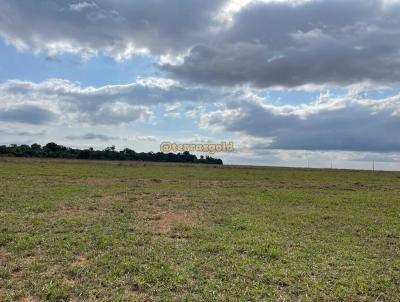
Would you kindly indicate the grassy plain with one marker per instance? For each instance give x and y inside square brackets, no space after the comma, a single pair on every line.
[123,231]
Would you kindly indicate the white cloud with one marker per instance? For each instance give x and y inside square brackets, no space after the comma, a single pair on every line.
[120,113]
[116,28]
[290,44]
[347,122]
[172,110]
[79,6]
[68,102]
[110,104]
[146,138]
[278,44]
[330,123]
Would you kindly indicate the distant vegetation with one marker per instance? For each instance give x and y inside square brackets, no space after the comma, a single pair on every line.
[52,150]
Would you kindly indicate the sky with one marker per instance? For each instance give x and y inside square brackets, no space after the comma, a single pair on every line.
[290,82]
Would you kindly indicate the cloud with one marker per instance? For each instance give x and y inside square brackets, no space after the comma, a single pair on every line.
[116,28]
[222,42]
[92,136]
[267,43]
[79,6]
[146,91]
[348,122]
[198,139]
[27,114]
[146,138]
[120,113]
[281,44]
[389,158]
[22,133]
[110,104]
[331,123]
[172,110]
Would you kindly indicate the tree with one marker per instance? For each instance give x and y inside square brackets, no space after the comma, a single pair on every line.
[109,153]
[36,147]
[52,147]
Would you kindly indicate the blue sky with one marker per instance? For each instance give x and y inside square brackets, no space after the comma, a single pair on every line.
[98,71]
[289,82]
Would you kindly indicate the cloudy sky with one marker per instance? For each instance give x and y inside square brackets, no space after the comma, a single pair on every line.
[288,81]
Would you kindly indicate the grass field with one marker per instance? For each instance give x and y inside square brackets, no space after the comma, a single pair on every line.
[109,231]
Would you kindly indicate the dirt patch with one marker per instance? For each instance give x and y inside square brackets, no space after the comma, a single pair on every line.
[80,261]
[72,213]
[28,299]
[159,200]
[113,197]
[70,282]
[93,181]
[21,264]
[135,197]
[163,210]
[52,269]
[165,221]
[29,260]
[135,182]
[3,257]
[146,199]
[135,295]
[268,184]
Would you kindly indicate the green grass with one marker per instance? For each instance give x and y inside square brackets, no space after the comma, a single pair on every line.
[110,231]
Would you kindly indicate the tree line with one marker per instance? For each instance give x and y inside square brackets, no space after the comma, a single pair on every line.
[52,150]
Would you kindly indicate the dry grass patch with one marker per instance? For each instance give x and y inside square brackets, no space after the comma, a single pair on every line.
[165,221]
[28,299]
[92,181]
[80,261]
[135,296]
[70,282]
[159,200]
[312,185]
[113,197]
[53,269]
[3,257]
[76,213]
[159,209]
[104,181]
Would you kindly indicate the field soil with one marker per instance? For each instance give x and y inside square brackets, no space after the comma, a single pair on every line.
[131,231]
